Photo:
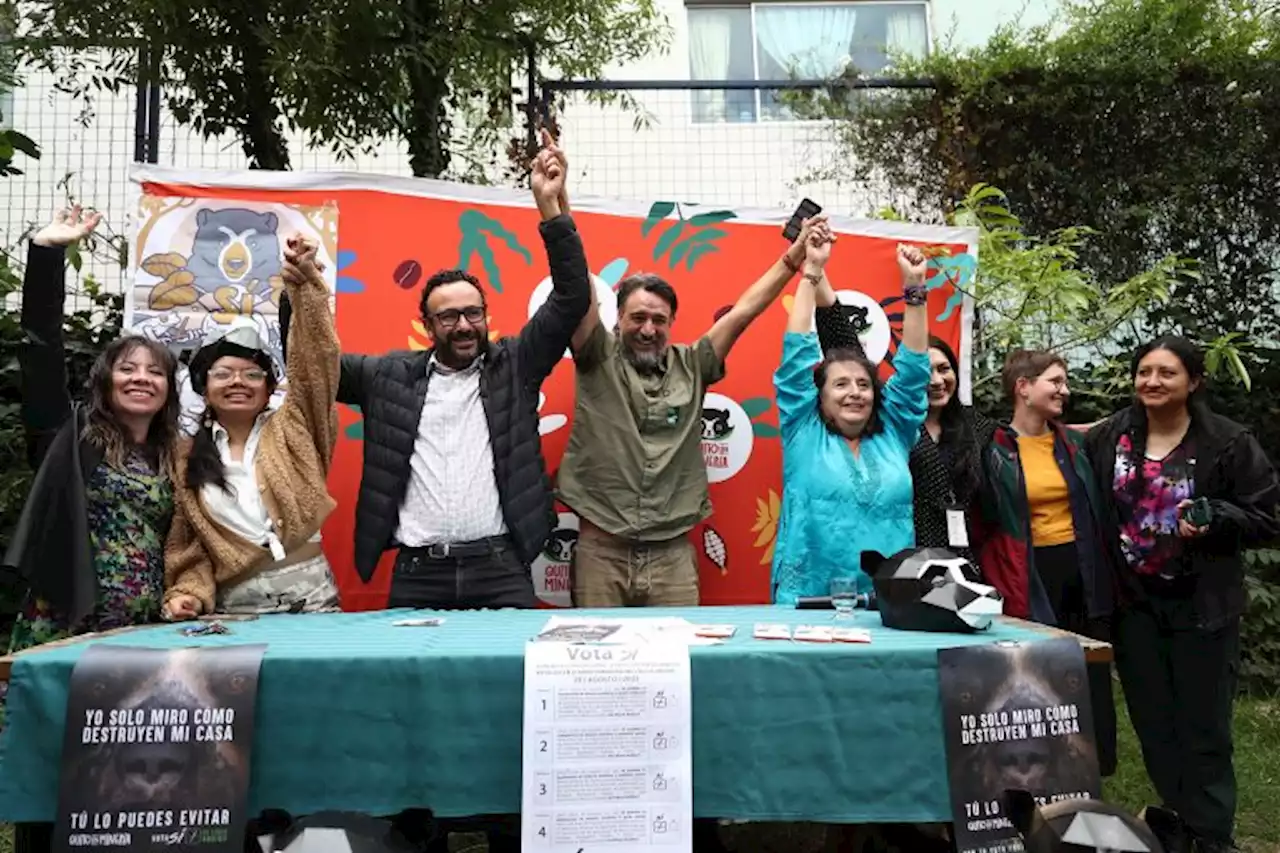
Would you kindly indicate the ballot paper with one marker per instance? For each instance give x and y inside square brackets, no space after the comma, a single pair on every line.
[607,752]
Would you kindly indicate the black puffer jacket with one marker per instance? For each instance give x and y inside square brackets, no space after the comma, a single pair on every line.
[390,391]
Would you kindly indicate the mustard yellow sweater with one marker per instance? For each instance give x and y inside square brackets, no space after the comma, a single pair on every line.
[291,464]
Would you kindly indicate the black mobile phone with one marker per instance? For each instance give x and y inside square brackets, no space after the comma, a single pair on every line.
[808,207]
[1198,514]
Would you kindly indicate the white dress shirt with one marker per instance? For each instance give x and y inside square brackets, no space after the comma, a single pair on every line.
[239,507]
[452,495]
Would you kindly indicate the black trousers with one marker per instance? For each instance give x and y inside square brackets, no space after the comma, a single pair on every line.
[1180,685]
[1059,570]
[470,576]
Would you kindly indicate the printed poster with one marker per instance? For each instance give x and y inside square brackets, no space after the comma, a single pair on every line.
[201,263]
[1015,715]
[396,232]
[157,749]
[608,762]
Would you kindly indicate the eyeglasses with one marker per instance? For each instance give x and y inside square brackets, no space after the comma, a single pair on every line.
[449,317]
[250,375]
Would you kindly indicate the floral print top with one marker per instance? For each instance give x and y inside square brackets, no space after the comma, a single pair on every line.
[1149,521]
[128,514]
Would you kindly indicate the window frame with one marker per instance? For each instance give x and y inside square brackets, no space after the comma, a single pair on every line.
[751,6]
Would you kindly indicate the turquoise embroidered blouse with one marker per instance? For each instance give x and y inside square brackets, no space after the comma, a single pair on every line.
[836,505]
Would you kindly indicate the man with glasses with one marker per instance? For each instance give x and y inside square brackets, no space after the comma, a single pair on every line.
[453,469]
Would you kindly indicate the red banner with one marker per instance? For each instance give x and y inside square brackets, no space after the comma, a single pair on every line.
[389,234]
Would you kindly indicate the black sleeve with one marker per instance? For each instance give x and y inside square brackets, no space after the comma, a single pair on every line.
[1251,516]
[543,340]
[835,328]
[46,402]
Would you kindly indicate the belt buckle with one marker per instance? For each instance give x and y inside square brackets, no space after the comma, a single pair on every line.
[438,550]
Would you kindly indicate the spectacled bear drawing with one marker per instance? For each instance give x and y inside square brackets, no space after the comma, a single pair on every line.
[560,545]
[715,424]
[237,247]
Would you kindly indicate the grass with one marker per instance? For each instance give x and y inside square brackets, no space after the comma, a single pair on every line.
[1257,729]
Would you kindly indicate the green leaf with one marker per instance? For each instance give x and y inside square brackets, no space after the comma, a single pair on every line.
[658,212]
[708,235]
[491,269]
[73,256]
[23,143]
[679,252]
[756,406]
[466,248]
[698,252]
[668,237]
[711,217]
[765,430]
[513,242]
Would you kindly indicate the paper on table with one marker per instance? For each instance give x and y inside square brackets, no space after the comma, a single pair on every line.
[623,631]
[607,753]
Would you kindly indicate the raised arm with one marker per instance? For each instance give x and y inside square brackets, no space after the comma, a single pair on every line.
[46,402]
[797,396]
[311,349]
[759,296]
[355,372]
[906,399]
[555,324]
[915,314]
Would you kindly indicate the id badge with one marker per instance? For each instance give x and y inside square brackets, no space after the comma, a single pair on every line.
[957,529]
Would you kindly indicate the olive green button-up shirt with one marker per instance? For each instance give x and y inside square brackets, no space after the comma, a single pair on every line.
[634,464]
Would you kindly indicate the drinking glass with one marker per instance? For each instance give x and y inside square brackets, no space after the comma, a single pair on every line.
[844,592]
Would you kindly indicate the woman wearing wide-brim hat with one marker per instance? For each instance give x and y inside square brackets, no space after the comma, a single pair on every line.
[250,490]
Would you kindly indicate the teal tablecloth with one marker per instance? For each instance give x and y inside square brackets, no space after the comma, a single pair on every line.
[356,714]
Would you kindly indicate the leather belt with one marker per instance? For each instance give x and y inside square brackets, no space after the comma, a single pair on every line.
[447,550]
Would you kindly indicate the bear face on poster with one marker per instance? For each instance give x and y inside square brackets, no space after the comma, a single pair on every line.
[727,437]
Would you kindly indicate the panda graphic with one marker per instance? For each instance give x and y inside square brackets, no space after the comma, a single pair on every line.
[237,247]
[560,545]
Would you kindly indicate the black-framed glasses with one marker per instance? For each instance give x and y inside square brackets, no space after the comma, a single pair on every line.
[449,317]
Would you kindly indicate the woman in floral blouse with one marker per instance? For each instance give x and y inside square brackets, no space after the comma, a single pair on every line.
[1185,491]
[89,546]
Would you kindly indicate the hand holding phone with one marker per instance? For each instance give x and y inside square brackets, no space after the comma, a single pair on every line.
[1194,517]
[807,210]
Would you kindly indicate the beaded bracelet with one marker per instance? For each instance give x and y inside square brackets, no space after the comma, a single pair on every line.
[915,294]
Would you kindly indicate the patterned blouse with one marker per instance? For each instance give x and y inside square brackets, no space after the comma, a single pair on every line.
[128,515]
[1149,521]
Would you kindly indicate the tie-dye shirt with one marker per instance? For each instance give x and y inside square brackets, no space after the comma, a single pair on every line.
[1149,525]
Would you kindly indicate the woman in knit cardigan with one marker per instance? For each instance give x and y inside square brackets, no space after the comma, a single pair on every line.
[250,491]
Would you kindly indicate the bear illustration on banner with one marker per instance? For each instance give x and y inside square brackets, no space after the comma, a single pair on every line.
[551,580]
[396,233]
[727,437]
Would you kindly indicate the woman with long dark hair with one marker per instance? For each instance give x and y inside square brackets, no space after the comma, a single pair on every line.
[1186,491]
[251,484]
[89,545]
[945,460]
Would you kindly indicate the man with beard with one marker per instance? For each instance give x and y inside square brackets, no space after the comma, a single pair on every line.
[453,469]
[633,470]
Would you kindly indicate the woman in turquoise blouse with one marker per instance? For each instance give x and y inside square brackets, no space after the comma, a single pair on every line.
[846,438]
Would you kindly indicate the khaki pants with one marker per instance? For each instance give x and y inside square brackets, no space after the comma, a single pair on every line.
[610,572]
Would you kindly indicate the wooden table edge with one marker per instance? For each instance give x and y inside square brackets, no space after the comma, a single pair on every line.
[1095,651]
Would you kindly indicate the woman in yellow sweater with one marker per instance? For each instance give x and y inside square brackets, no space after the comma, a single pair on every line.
[250,492]
[1041,531]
